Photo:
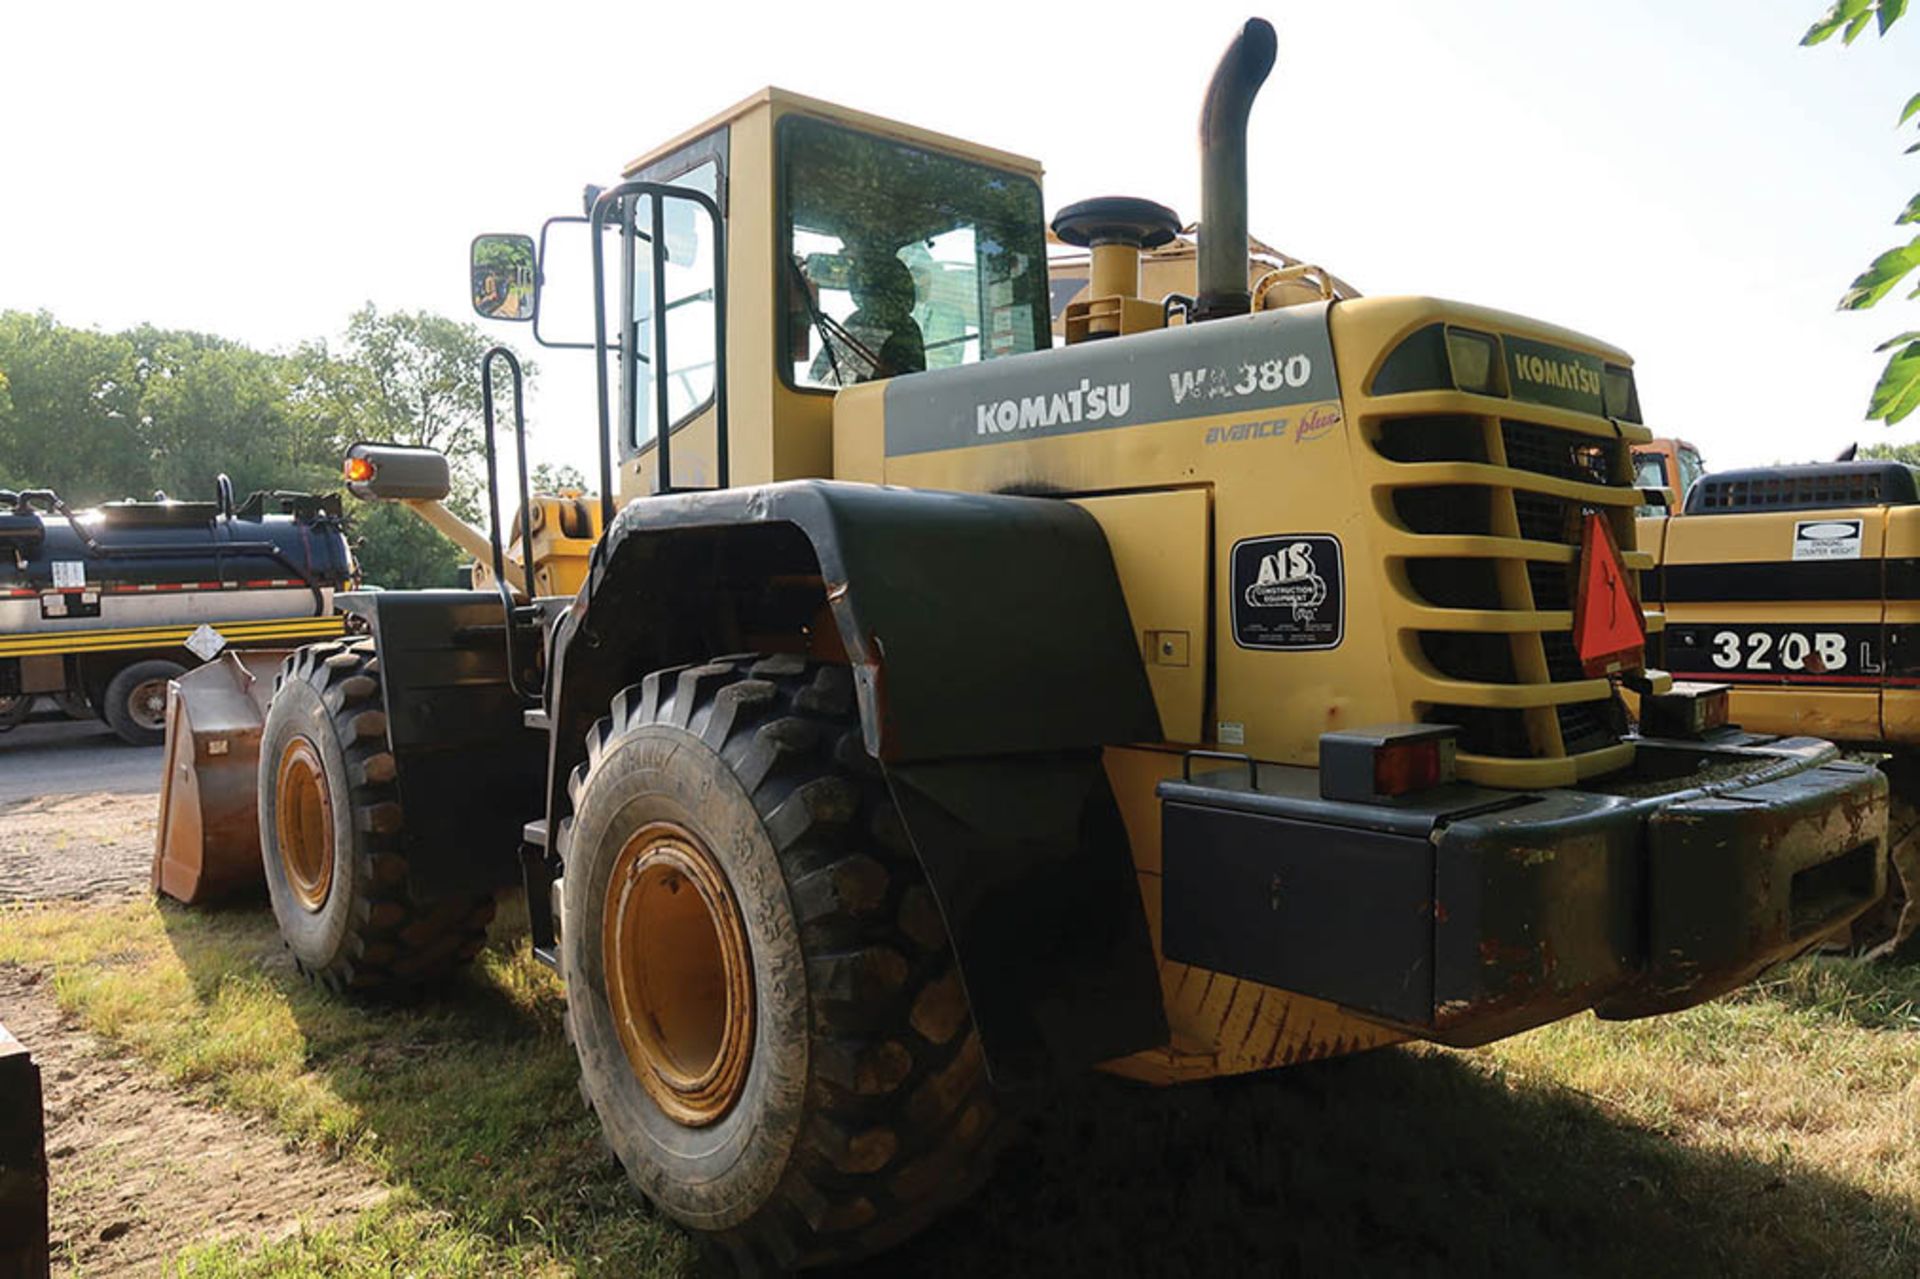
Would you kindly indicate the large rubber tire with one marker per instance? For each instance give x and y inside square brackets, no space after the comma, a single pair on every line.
[135,705]
[863,1108]
[330,834]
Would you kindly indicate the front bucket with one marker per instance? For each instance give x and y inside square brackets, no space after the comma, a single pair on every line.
[209,840]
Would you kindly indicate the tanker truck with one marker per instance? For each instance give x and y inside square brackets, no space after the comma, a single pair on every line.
[109,604]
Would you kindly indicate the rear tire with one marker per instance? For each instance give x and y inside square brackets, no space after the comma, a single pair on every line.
[331,834]
[135,705]
[791,1068]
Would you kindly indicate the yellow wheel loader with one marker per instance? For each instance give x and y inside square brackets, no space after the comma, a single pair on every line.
[1239,684]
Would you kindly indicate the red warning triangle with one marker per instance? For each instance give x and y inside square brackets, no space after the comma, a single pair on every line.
[1608,632]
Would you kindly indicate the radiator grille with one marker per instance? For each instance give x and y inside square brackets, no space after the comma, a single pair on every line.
[1545,479]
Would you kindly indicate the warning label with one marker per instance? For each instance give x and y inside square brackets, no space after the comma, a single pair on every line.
[1826,540]
[1288,592]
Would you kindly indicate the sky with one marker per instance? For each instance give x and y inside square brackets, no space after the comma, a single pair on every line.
[1679,179]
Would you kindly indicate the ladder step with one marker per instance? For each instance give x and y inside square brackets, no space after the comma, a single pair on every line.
[537,718]
[535,833]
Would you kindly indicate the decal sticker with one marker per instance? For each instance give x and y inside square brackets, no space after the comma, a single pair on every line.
[69,575]
[1288,592]
[1826,540]
[1542,373]
[1231,733]
[1837,654]
[1259,363]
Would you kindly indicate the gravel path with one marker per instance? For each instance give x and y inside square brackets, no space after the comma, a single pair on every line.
[76,847]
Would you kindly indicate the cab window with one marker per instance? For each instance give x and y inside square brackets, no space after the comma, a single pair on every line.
[1649,470]
[1691,469]
[899,260]
[688,276]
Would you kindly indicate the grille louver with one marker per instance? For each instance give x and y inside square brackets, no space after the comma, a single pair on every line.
[1491,510]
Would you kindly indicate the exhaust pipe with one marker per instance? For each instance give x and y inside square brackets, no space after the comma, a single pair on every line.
[1223,171]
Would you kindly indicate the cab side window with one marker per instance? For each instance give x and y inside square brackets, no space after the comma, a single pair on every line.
[688,279]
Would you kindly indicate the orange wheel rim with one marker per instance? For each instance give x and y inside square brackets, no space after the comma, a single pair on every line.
[303,820]
[679,980]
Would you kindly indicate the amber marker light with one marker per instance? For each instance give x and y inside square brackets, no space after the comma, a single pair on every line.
[358,470]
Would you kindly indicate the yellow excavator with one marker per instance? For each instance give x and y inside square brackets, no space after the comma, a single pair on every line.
[1240,682]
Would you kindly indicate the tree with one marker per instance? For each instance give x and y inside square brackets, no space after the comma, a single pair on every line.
[406,377]
[71,418]
[1898,391]
[99,416]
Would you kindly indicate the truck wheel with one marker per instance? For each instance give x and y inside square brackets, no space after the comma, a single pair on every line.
[330,834]
[14,710]
[770,1024]
[135,705]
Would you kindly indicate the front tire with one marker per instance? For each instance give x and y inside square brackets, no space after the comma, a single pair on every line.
[770,1024]
[331,830]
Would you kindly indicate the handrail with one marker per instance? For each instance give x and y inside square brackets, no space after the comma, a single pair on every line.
[495,541]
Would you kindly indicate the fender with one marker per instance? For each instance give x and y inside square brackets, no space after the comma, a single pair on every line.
[993,657]
[467,767]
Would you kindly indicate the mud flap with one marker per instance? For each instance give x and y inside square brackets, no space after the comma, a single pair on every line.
[1029,861]
[208,845]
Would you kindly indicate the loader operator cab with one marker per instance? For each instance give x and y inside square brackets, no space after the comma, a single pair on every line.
[883,250]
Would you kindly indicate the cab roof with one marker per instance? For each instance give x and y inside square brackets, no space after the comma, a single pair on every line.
[783,100]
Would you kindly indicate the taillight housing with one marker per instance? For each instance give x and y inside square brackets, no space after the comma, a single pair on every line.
[1368,765]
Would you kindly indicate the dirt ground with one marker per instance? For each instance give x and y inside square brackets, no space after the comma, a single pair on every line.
[138,1171]
[76,847]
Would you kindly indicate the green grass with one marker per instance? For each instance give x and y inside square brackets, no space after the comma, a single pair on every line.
[1775,1132]
[467,1104]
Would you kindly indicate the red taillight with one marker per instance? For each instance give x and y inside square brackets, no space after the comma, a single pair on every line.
[1405,767]
[358,470]
[1367,765]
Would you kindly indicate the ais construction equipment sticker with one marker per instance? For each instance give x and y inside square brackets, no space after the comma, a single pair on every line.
[1289,592]
[1826,540]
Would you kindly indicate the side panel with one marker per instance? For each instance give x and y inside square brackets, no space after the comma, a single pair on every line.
[1160,547]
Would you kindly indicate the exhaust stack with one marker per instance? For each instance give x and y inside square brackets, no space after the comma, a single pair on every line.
[1223,170]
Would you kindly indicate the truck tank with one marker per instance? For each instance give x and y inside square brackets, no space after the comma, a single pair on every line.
[167,563]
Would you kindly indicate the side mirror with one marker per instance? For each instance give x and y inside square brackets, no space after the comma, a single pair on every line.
[1658,495]
[397,472]
[504,276]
